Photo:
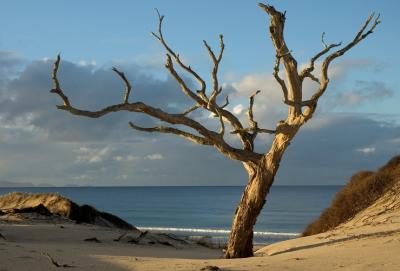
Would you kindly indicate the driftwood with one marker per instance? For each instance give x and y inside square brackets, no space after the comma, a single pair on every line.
[54,262]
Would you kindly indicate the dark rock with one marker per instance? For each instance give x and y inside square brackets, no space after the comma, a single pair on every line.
[54,204]
[39,209]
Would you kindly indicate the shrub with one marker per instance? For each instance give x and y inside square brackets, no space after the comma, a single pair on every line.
[363,189]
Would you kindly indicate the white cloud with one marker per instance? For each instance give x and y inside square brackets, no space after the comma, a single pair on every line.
[156,156]
[88,155]
[366,150]
[129,158]
[132,157]
[118,158]
[122,177]
[238,109]
[83,177]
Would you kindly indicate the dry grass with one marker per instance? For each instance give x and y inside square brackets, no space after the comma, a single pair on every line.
[362,190]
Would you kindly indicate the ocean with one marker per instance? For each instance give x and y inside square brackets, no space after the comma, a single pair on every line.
[202,210]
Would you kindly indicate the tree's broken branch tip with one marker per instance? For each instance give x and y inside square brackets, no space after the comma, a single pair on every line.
[160,17]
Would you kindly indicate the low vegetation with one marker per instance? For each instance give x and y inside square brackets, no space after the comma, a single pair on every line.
[363,189]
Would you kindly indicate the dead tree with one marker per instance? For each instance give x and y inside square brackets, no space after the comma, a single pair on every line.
[261,167]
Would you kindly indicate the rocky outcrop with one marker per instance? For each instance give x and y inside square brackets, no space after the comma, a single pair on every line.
[55,205]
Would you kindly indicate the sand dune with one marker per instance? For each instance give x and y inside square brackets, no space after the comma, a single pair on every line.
[370,241]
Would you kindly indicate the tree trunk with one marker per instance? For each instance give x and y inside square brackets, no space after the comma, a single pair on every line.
[253,199]
[261,178]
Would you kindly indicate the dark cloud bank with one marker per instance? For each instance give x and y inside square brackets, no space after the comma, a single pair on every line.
[40,144]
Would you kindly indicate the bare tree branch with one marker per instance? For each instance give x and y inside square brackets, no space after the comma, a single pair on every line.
[254,130]
[221,120]
[214,74]
[280,80]
[293,88]
[187,68]
[171,130]
[127,84]
[170,67]
[362,34]
[191,109]
[226,102]
[307,72]
[253,125]
[214,138]
[202,97]
[252,122]
[57,88]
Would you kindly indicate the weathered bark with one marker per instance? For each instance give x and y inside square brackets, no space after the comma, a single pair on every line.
[261,178]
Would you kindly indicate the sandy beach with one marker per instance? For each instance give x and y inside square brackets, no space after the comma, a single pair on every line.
[370,241]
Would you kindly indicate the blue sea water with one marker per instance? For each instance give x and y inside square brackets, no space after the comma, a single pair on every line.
[202,210]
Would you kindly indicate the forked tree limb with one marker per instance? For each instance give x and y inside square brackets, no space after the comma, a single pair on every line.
[214,74]
[307,72]
[202,98]
[280,80]
[206,136]
[293,87]
[160,38]
[324,80]
[253,125]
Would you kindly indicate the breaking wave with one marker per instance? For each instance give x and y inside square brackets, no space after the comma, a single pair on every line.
[216,231]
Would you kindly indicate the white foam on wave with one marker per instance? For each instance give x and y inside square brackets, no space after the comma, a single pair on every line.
[216,231]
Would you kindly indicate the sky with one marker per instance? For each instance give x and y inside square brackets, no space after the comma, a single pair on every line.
[356,126]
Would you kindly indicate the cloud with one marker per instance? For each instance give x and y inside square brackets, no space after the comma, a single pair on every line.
[363,92]
[10,63]
[238,109]
[156,156]
[88,155]
[326,154]
[367,150]
[41,144]
[26,99]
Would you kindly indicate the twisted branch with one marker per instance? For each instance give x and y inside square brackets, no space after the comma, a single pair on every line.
[171,130]
[127,84]
[201,97]
[214,74]
[361,35]
[307,72]
[187,68]
[207,137]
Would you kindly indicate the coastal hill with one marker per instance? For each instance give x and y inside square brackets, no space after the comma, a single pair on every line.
[366,239]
